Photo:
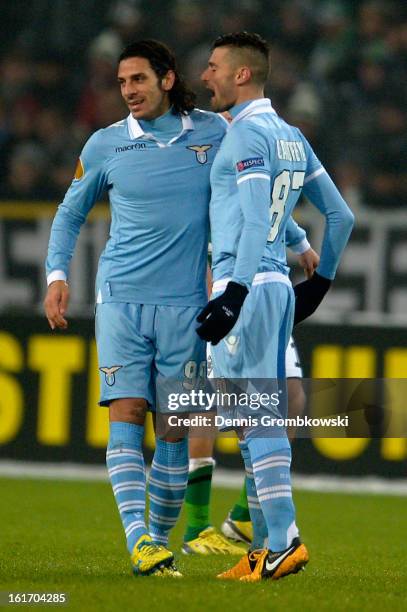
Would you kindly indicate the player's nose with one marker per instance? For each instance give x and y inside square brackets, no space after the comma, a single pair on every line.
[129,89]
[204,76]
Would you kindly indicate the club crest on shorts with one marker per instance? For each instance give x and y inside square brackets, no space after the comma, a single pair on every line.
[232,342]
[110,374]
[200,152]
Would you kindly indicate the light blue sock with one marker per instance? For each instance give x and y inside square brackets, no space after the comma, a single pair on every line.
[125,464]
[256,514]
[271,460]
[167,484]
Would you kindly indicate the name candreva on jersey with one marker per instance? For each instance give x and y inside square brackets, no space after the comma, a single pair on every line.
[291,150]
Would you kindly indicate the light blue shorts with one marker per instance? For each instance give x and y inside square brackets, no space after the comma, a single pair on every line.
[138,344]
[254,353]
[256,346]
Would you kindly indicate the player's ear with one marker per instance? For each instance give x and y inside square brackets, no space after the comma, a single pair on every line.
[244,74]
[168,81]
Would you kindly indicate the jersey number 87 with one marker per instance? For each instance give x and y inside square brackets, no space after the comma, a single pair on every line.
[281,189]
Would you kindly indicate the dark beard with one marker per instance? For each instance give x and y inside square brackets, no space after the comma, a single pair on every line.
[221,108]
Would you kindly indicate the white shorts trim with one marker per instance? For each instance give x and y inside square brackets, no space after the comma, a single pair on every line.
[260,279]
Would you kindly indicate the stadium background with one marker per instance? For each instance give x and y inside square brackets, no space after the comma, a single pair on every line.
[338,72]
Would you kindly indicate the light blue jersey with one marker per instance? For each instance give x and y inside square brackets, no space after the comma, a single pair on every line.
[261,169]
[262,166]
[159,193]
[296,237]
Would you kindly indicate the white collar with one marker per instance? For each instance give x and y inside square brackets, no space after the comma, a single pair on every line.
[262,105]
[136,131]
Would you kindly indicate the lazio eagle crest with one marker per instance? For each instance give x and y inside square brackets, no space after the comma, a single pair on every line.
[109,374]
[200,152]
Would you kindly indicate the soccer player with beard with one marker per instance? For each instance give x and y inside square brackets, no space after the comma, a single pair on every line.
[262,167]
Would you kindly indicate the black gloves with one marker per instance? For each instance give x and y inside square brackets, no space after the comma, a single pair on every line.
[220,315]
[309,295]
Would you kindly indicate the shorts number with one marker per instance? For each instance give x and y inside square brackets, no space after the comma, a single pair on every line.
[281,189]
[194,373]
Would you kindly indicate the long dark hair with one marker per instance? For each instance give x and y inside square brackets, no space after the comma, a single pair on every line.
[162,60]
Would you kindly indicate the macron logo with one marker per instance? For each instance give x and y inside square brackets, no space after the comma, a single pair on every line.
[137,146]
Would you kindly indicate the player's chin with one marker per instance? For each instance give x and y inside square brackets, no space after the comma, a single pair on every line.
[219,106]
[139,111]
[139,114]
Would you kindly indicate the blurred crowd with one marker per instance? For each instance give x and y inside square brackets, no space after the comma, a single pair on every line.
[339,72]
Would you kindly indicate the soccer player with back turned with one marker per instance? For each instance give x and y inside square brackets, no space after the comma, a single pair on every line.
[261,169]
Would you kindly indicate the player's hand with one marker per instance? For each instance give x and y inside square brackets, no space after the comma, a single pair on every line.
[309,262]
[56,304]
[308,296]
[220,315]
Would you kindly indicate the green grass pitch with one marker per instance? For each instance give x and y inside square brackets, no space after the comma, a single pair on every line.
[66,537]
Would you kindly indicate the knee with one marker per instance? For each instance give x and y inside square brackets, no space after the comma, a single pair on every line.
[128,410]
